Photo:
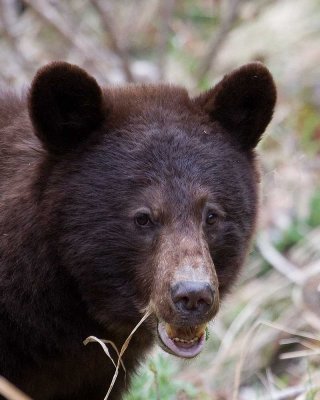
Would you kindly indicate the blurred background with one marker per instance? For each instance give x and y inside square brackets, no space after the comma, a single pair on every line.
[265,344]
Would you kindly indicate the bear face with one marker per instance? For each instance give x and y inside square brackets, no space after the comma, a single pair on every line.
[150,196]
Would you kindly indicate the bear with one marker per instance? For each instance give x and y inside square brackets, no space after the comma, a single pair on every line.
[114,201]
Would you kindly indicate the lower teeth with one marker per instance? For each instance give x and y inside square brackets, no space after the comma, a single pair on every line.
[196,339]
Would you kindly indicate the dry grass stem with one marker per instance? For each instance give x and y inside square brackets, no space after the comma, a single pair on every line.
[124,347]
[104,347]
[10,392]
[299,354]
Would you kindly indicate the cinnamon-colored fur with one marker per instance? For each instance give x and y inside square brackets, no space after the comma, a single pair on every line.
[77,163]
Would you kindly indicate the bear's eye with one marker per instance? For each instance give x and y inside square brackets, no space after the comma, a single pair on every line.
[211,218]
[143,219]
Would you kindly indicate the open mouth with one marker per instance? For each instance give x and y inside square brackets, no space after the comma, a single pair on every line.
[182,342]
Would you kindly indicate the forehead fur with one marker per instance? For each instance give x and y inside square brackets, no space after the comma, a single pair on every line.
[142,100]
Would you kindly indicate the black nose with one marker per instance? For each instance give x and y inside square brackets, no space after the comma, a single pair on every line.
[190,296]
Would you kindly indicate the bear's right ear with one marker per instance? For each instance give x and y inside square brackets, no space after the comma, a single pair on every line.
[65,105]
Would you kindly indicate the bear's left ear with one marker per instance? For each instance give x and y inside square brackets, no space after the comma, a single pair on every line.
[242,102]
[65,105]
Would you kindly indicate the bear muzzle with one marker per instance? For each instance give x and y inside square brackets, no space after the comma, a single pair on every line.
[186,297]
[193,305]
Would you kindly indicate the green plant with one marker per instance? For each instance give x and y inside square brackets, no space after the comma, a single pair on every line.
[156,381]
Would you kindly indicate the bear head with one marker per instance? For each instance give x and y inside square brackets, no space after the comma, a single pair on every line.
[150,196]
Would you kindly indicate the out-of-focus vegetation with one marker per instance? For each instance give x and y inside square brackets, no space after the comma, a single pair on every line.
[265,343]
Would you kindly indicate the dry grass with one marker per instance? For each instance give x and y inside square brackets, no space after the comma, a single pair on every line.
[10,392]
[120,353]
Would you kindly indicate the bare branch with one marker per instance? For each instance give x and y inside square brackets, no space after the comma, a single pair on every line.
[140,16]
[88,52]
[115,44]
[7,22]
[167,8]
[278,261]
[219,38]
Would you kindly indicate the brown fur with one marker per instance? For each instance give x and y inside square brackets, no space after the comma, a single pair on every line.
[78,166]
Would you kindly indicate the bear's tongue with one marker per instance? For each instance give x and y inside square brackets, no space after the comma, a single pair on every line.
[182,342]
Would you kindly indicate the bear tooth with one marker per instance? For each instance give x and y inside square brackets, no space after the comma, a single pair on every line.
[190,341]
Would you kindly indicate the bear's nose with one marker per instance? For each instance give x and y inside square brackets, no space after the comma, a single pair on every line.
[192,296]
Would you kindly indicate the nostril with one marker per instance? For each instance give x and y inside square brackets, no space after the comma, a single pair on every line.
[184,302]
[192,296]
[202,301]
[185,299]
